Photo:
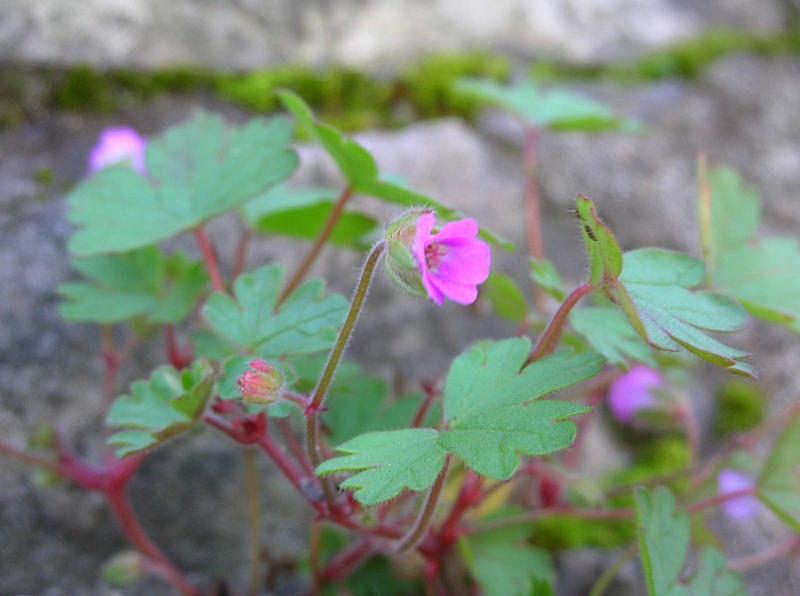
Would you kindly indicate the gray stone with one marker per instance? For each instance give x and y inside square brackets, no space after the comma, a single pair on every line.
[372,34]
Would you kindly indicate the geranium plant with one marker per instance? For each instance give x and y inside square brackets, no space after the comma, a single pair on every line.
[475,483]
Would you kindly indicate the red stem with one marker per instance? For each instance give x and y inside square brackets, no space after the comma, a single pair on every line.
[469,495]
[294,445]
[420,527]
[430,396]
[774,553]
[532,199]
[210,258]
[344,563]
[549,339]
[319,244]
[177,357]
[138,537]
[241,252]
[719,499]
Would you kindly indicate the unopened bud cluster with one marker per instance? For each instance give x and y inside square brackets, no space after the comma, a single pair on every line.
[261,383]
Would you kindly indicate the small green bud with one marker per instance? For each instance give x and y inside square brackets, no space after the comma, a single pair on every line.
[400,263]
[124,569]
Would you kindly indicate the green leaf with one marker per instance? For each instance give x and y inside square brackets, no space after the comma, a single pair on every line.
[303,213]
[556,109]
[140,283]
[779,484]
[605,255]
[386,463]
[672,316]
[196,171]
[608,332]
[664,544]
[167,404]
[506,297]
[360,170]
[484,396]
[546,276]
[763,275]
[307,321]
[504,568]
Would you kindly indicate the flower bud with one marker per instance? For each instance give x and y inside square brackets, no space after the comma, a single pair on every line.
[261,383]
[400,263]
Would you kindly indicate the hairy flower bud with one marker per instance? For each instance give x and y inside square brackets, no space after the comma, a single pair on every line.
[449,262]
[261,383]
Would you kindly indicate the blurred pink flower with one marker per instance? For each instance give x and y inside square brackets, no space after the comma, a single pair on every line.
[632,392]
[116,145]
[453,261]
[744,507]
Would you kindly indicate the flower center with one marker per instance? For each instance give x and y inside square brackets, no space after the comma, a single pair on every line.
[434,253]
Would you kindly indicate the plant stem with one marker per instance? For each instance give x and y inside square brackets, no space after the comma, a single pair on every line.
[345,562]
[315,547]
[774,553]
[254,516]
[417,531]
[241,253]
[430,396]
[325,380]
[293,445]
[111,363]
[210,258]
[138,537]
[29,459]
[319,244]
[719,500]
[533,214]
[548,340]
[604,581]
[705,212]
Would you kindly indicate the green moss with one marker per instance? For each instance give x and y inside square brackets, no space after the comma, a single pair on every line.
[564,532]
[687,59]
[740,407]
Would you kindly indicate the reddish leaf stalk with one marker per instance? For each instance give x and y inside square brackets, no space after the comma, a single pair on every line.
[319,244]
[549,339]
[532,199]
[176,356]
[720,499]
[431,394]
[470,494]
[423,522]
[294,445]
[346,562]
[775,553]
[210,259]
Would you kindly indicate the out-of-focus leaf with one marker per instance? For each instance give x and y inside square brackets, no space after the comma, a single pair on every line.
[196,171]
[546,276]
[779,484]
[505,297]
[140,283]
[167,404]
[302,213]
[556,109]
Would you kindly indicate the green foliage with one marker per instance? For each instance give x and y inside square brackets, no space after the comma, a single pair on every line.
[140,283]
[167,404]
[506,298]
[609,332]
[388,462]
[764,275]
[779,484]
[555,109]
[302,213]
[504,565]
[740,407]
[307,321]
[563,532]
[664,544]
[487,397]
[546,276]
[196,171]
[602,249]
[359,168]
[659,282]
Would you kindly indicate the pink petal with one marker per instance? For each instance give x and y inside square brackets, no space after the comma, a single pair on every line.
[423,236]
[632,392]
[732,481]
[430,286]
[460,293]
[118,145]
[456,230]
[468,264]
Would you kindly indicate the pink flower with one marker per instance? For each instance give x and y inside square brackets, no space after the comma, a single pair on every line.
[744,507]
[116,145]
[632,392]
[453,261]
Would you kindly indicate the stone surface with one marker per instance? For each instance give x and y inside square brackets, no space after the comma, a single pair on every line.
[372,34]
[743,113]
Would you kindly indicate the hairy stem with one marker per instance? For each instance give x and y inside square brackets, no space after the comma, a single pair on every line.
[548,340]
[319,244]
[325,380]
[423,522]
[210,259]
[254,516]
